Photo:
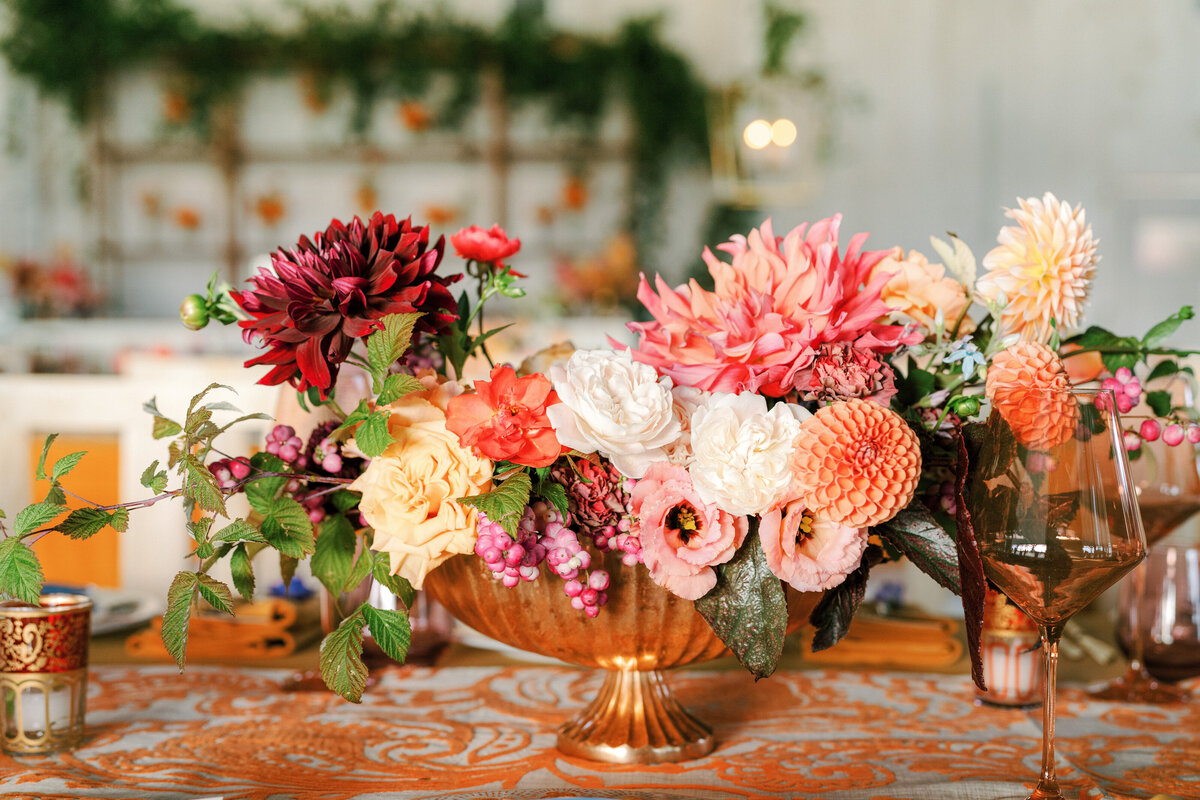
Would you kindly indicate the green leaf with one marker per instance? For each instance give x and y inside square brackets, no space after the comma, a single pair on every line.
[175,453]
[1163,330]
[341,663]
[388,344]
[242,571]
[916,386]
[391,630]
[199,528]
[334,556]
[504,505]
[83,523]
[747,609]
[41,465]
[195,401]
[1159,402]
[555,494]
[55,495]
[287,528]
[1162,369]
[65,464]
[287,571]
[355,417]
[118,520]
[221,405]
[397,386]
[196,420]
[20,571]
[154,479]
[343,500]
[151,407]
[1095,336]
[165,428]
[215,593]
[833,614]
[36,516]
[916,534]
[262,491]
[373,436]
[238,531]
[178,613]
[201,486]
[382,571]
[362,568]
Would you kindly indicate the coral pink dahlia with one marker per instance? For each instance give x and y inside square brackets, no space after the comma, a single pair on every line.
[773,305]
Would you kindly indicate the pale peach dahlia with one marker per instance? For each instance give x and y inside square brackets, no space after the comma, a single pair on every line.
[1043,266]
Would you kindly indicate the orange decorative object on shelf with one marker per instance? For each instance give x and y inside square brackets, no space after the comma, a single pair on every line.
[438,214]
[415,116]
[366,196]
[270,208]
[575,193]
[188,218]
[176,108]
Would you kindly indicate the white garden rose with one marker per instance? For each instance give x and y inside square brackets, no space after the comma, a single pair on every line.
[741,452]
[615,406]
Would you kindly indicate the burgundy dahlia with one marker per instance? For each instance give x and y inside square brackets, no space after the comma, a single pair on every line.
[325,294]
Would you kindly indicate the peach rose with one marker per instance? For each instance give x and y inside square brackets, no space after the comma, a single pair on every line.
[409,491]
[917,289]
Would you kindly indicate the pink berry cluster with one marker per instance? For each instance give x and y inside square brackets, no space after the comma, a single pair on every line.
[617,538]
[230,471]
[1173,434]
[543,537]
[282,441]
[327,455]
[1126,387]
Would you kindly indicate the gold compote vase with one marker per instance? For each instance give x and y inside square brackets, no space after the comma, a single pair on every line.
[644,629]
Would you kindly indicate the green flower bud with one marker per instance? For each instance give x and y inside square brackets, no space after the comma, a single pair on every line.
[964,406]
[193,311]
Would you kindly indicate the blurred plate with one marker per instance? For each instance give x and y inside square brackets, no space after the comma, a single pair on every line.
[112,609]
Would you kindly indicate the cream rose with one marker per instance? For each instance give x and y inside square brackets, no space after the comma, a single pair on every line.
[918,289]
[741,452]
[409,491]
[615,406]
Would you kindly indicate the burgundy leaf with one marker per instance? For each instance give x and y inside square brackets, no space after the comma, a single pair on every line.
[970,564]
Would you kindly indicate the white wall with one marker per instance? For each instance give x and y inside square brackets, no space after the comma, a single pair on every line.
[943,113]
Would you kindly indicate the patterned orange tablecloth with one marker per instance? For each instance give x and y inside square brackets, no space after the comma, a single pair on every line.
[488,732]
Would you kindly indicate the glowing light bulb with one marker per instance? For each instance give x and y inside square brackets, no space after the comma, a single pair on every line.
[757,134]
[783,132]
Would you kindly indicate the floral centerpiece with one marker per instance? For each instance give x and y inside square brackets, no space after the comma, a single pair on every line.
[807,417]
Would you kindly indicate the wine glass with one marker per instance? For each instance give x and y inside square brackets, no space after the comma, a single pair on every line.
[1055,515]
[1168,489]
[1168,612]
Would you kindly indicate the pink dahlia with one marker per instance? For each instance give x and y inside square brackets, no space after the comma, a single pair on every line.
[810,553]
[774,304]
[324,294]
[683,537]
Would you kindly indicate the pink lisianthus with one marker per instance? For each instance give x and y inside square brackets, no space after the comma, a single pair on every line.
[487,246]
[843,371]
[809,553]
[682,537]
[773,306]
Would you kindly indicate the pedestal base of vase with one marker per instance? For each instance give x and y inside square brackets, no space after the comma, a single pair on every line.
[635,719]
[1139,686]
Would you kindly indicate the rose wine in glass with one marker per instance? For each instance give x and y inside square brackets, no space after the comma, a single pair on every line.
[1055,515]
[1168,490]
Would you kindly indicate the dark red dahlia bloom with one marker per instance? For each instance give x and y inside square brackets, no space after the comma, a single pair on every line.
[325,294]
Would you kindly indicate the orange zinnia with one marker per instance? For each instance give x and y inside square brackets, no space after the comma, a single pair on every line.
[856,463]
[505,419]
[1028,386]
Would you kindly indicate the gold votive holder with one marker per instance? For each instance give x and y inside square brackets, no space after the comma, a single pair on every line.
[1012,654]
[43,673]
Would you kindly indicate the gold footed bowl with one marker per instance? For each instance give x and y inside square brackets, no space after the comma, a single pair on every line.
[634,719]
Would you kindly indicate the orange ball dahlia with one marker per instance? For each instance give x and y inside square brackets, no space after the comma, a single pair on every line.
[1028,385]
[856,463]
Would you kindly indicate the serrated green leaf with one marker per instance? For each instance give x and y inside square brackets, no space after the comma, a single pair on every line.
[391,630]
[287,528]
[174,454]
[341,663]
[195,421]
[243,572]
[154,479]
[196,398]
[504,505]
[215,593]
[388,344]
[334,556]
[179,611]
[36,516]
[83,523]
[165,428]
[20,571]
[373,436]
[238,531]
[555,494]
[199,528]
[65,464]
[151,407]
[381,571]
[834,613]
[261,492]
[1163,330]
[747,609]
[201,486]
[55,495]
[397,386]
[287,571]
[40,472]
[355,417]
[916,534]
[204,550]
[118,520]
[360,571]
[1159,402]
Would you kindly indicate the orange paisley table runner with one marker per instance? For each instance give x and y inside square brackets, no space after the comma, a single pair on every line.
[488,732]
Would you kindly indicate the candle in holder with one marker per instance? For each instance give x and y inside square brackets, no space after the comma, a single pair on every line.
[1012,656]
[43,673]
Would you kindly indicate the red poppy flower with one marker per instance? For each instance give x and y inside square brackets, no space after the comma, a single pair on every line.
[505,419]
[488,246]
[325,294]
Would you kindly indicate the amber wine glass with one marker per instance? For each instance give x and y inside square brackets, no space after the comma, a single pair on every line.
[1055,514]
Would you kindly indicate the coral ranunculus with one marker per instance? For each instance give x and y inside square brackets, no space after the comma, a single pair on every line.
[325,294]
[774,304]
[810,553]
[682,537]
[488,246]
[856,463]
[505,418]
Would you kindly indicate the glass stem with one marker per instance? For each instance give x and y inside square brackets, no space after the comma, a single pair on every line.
[1136,646]
[1047,788]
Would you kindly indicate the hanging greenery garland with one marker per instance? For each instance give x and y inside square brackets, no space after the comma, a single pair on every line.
[72,50]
